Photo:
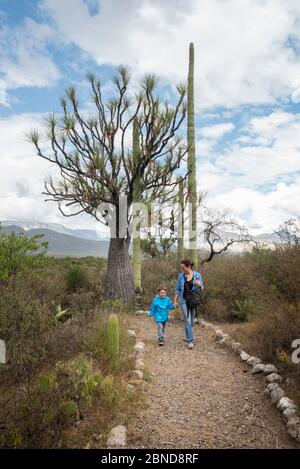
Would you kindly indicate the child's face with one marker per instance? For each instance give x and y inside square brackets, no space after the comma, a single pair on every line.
[162,293]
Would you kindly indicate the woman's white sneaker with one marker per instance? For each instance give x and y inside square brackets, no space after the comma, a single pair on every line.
[190,345]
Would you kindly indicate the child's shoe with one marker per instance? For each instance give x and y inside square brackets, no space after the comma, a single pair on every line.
[160,341]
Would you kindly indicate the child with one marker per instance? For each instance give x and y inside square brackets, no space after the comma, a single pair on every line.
[160,310]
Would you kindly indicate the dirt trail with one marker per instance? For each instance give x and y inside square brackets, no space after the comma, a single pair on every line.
[202,398]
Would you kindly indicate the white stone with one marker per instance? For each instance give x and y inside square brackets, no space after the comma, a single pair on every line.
[138,374]
[139,346]
[244,356]
[225,339]
[274,378]
[259,368]
[286,403]
[270,369]
[289,413]
[139,364]
[276,395]
[219,334]
[270,388]
[253,361]
[139,312]
[130,387]
[236,347]
[117,437]
[131,333]
[293,427]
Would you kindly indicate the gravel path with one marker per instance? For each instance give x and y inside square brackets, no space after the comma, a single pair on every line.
[202,398]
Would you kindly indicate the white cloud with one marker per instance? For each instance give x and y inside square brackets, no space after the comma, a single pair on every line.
[259,180]
[23,173]
[216,131]
[242,51]
[24,59]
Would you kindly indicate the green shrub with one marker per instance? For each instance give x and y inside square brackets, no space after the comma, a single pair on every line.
[76,278]
[18,254]
[243,309]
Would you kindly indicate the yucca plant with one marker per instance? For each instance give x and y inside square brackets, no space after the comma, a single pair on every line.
[113,342]
[243,309]
[76,278]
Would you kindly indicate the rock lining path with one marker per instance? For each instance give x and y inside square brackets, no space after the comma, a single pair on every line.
[202,398]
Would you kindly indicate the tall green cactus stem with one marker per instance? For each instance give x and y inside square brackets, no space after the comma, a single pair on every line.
[180,240]
[113,340]
[191,161]
[136,198]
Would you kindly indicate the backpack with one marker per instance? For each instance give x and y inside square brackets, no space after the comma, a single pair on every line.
[194,298]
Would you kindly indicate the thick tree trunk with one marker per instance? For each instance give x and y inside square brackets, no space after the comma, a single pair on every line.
[119,280]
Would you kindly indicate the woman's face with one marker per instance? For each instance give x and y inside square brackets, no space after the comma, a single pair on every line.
[184,268]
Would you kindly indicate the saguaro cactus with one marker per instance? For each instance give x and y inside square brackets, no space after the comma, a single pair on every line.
[191,161]
[113,340]
[180,239]
[136,196]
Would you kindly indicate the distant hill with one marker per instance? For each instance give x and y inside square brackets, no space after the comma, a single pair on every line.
[62,245]
[83,242]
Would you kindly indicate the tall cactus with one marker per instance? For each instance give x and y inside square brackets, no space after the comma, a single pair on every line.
[191,161]
[136,198]
[180,240]
[113,340]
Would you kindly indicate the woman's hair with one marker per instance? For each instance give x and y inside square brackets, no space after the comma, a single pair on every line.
[161,288]
[187,263]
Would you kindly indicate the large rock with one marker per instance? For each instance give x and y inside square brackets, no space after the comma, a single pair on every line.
[259,368]
[293,427]
[236,347]
[289,413]
[139,364]
[219,334]
[274,378]
[131,333]
[139,346]
[270,388]
[244,356]
[270,369]
[225,339]
[117,437]
[138,374]
[253,361]
[276,395]
[286,403]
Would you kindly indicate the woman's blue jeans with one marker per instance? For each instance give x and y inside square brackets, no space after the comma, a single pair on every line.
[188,322]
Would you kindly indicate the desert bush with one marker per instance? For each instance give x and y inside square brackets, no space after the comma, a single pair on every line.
[76,278]
[18,253]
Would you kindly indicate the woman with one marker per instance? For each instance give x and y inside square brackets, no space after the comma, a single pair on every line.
[187,280]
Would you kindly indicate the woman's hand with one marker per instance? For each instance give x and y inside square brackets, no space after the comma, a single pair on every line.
[175,303]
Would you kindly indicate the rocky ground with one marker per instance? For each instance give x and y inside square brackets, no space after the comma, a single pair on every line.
[202,398]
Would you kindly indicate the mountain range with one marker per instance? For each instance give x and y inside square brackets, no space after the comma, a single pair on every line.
[82,242]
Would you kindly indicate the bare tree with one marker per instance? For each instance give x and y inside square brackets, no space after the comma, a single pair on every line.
[96,166]
[221,232]
[289,232]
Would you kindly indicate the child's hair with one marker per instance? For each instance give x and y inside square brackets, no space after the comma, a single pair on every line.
[162,287]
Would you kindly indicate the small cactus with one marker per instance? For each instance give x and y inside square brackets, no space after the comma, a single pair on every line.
[113,341]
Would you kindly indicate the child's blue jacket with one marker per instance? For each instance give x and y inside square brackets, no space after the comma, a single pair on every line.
[160,308]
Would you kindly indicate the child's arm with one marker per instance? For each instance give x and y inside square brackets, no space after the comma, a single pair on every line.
[153,308]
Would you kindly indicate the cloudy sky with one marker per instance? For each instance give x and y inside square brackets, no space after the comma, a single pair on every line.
[247,85]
